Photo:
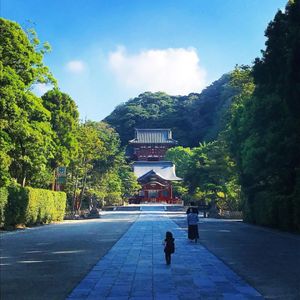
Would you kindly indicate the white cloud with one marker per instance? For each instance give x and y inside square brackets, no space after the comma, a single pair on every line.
[175,71]
[75,66]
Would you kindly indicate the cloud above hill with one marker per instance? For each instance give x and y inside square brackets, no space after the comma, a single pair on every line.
[75,66]
[176,71]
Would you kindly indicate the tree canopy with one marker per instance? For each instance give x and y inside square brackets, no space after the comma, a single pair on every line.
[240,136]
[193,118]
[264,132]
[37,135]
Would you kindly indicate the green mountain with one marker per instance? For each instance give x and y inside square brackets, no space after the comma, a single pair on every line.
[193,118]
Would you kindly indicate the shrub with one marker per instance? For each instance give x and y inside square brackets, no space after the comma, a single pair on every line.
[60,200]
[113,198]
[3,203]
[31,206]
[296,203]
[269,209]
[17,203]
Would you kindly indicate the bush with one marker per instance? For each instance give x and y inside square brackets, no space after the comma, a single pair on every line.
[269,209]
[60,200]
[29,206]
[113,198]
[296,203]
[3,203]
[17,203]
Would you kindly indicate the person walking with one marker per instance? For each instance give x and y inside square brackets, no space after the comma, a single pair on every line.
[192,221]
[169,247]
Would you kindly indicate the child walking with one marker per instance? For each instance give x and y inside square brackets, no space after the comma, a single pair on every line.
[169,246]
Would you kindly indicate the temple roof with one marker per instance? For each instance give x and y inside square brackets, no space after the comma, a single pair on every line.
[163,169]
[153,136]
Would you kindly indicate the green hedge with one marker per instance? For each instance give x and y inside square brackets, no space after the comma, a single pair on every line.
[29,206]
[268,209]
[3,202]
[296,202]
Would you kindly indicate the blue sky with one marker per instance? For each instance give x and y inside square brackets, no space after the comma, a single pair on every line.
[105,52]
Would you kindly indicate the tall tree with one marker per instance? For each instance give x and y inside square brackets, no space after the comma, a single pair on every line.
[26,137]
[90,148]
[266,127]
[22,52]
[65,123]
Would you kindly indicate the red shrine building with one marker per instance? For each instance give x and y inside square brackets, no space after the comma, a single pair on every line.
[154,174]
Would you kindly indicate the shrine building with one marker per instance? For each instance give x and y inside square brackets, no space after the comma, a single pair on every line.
[154,174]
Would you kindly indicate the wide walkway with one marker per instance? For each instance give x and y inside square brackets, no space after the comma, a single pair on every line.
[135,269]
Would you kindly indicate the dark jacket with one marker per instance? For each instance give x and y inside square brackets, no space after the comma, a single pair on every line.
[169,245]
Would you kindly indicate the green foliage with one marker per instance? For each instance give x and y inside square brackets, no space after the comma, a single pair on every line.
[22,53]
[26,135]
[111,154]
[17,204]
[115,185]
[181,157]
[247,123]
[99,172]
[130,185]
[64,122]
[37,135]
[31,138]
[80,169]
[209,174]
[5,159]
[192,118]
[111,188]
[212,171]
[28,206]
[264,132]
[296,202]
[3,203]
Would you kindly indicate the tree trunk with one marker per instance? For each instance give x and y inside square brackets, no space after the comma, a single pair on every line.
[53,180]
[82,190]
[24,181]
[74,194]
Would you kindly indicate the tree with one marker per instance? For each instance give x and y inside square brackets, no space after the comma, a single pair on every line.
[64,123]
[181,157]
[209,174]
[32,142]
[90,148]
[193,118]
[26,137]
[130,185]
[22,53]
[212,175]
[265,126]
[100,171]
[112,178]
[26,134]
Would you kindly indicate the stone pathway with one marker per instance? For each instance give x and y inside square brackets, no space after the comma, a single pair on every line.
[135,269]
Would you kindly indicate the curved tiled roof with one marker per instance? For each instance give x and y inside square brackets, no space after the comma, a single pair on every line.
[163,169]
[153,136]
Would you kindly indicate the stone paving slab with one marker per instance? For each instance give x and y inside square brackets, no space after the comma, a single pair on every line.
[135,269]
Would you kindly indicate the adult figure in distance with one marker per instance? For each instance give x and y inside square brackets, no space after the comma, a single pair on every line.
[192,222]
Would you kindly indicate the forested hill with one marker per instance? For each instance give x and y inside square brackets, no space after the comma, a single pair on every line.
[193,118]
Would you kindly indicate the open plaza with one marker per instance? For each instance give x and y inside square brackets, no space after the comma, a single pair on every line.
[120,256]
